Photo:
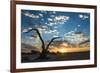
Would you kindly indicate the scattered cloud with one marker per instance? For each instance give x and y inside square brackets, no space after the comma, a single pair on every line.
[75,29]
[78,25]
[41,29]
[50,20]
[51,31]
[56,33]
[41,26]
[52,15]
[55,36]
[83,17]
[31,38]
[42,19]
[51,24]
[45,12]
[54,12]
[70,32]
[30,15]
[57,20]
[45,27]
[55,27]
[46,23]
[63,18]
[24,30]
[75,37]
[40,14]
[29,28]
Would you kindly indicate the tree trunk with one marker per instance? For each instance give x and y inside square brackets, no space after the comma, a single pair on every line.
[43,54]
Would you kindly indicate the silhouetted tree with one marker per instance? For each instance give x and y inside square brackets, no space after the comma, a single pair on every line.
[44,52]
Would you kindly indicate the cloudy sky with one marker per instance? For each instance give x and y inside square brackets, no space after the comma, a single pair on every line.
[53,24]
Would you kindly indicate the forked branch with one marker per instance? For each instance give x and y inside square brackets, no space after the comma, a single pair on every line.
[51,42]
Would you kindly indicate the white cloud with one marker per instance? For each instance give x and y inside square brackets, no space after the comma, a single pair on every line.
[78,25]
[55,27]
[50,20]
[51,24]
[68,33]
[42,19]
[31,38]
[45,27]
[57,20]
[83,17]
[46,32]
[52,15]
[41,29]
[24,30]
[56,33]
[75,29]
[54,12]
[41,15]
[55,36]
[75,38]
[71,32]
[50,31]
[45,12]
[86,16]
[46,23]
[29,28]
[31,15]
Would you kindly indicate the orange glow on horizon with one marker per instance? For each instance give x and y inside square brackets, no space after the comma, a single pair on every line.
[62,50]
[68,49]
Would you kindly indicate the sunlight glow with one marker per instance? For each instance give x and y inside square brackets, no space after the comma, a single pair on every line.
[62,50]
[68,49]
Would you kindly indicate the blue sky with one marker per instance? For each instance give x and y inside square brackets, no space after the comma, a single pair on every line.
[53,23]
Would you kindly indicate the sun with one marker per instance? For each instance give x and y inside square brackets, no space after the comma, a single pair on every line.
[62,50]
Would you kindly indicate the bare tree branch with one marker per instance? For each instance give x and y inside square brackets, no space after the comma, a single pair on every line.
[42,41]
[51,42]
[37,31]
[28,30]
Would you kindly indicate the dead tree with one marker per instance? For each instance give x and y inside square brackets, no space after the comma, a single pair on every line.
[43,54]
